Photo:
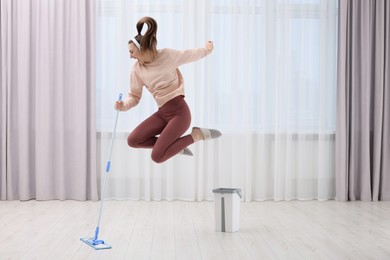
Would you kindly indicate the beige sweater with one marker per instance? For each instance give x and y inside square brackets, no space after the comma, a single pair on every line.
[161,77]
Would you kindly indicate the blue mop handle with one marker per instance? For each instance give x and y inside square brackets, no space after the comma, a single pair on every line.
[107,170]
[112,139]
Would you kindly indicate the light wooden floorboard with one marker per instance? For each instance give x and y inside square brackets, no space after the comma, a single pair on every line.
[185,230]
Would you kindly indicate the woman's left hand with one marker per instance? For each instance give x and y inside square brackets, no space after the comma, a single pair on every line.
[209,46]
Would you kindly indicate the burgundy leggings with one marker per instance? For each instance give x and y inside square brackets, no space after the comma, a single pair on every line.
[170,122]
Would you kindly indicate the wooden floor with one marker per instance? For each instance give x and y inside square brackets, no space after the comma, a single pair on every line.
[185,230]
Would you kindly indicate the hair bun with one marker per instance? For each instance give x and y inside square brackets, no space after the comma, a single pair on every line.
[148,41]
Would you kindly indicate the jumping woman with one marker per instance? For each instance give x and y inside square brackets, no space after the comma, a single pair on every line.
[158,71]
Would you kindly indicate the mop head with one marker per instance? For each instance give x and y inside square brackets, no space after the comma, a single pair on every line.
[95,244]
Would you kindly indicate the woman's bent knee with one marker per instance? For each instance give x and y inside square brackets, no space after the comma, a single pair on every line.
[132,142]
[157,158]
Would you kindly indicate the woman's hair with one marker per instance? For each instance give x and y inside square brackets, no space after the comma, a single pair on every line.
[148,41]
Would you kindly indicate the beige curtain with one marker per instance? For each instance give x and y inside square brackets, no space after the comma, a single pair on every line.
[47,95]
[363,101]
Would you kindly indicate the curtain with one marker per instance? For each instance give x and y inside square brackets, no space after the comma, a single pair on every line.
[48,121]
[269,87]
[363,101]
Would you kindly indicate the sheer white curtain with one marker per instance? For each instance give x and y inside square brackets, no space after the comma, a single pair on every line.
[269,86]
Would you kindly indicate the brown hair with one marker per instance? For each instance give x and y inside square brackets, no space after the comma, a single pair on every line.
[148,41]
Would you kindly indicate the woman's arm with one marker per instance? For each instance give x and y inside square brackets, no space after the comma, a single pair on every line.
[134,95]
[135,92]
[190,55]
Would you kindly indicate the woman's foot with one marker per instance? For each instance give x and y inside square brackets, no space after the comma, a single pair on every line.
[204,134]
[186,151]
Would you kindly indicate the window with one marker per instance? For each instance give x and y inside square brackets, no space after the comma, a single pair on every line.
[274,62]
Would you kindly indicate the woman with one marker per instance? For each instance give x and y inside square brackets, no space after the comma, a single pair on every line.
[158,71]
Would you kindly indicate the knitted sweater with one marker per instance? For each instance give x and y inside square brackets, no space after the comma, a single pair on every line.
[161,76]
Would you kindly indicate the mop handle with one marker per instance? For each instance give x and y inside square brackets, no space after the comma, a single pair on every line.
[112,139]
[107,170]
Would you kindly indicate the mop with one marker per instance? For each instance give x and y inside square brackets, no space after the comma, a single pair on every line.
[95,242]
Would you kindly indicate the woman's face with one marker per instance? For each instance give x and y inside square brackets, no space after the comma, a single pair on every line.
[135,53]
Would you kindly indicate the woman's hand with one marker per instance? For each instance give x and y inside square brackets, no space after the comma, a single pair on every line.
[119,105]
[209,46]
